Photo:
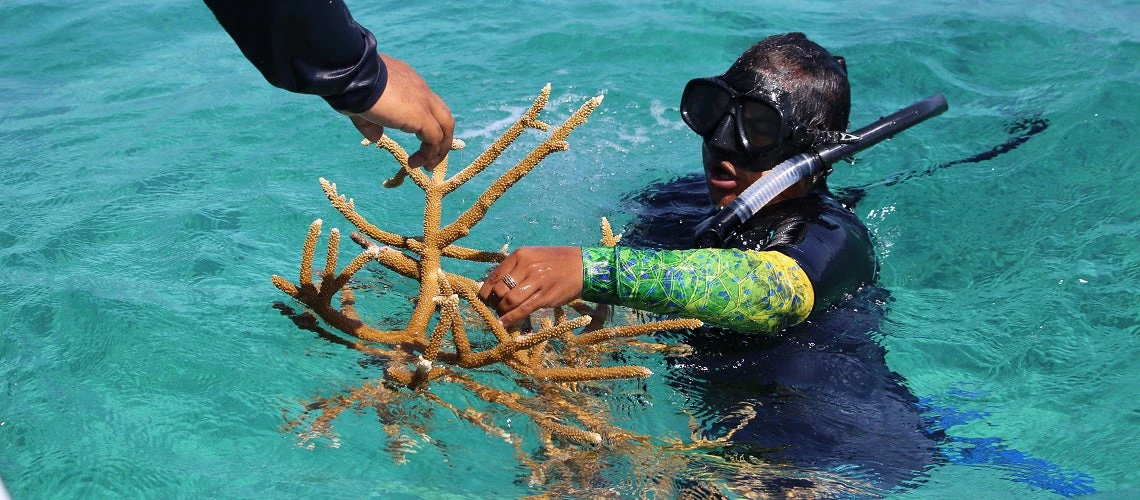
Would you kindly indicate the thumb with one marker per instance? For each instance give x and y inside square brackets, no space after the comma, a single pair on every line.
[369,130]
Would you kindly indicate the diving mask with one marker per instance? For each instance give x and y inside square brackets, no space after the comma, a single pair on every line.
[757,119]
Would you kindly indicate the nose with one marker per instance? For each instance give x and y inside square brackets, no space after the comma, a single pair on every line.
[724,137]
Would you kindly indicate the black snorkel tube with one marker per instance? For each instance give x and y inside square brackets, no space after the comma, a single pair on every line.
[712,232]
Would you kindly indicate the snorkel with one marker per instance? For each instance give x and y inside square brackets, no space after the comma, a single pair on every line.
[713,231]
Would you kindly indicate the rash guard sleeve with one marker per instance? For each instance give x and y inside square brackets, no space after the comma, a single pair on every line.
[744,290]
[309,47]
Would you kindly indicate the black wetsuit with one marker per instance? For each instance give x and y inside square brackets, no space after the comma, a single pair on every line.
[821,393]
[307,47]
[828,241]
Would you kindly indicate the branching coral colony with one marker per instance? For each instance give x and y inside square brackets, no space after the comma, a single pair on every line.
[548,364]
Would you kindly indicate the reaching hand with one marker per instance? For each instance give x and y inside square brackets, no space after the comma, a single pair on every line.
[542,277]
[410,105]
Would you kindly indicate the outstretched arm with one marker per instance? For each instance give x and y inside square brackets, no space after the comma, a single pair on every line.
[315,47]
[744,290]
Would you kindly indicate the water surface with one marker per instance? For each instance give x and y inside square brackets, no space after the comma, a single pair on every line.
[151,182]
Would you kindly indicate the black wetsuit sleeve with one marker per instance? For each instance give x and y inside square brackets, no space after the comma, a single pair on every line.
[310,47]
[829,243]
[837,255]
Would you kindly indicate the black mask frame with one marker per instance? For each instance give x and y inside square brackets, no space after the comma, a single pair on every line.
[759,117]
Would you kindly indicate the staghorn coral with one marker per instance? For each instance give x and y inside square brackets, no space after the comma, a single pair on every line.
[556,369]
[552,359]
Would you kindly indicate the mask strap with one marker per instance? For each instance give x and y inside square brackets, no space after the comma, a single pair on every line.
[842,63]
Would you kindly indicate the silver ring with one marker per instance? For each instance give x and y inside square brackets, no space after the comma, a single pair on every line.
[509,281]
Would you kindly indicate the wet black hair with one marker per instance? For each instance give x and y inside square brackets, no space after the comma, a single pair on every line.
[815,80]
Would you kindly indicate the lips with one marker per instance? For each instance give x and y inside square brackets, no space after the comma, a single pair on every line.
[722,176]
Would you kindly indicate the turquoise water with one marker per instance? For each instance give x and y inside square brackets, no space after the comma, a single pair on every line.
[152,182]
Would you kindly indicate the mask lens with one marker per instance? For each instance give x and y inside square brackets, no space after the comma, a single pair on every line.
[761,124]
[703,105]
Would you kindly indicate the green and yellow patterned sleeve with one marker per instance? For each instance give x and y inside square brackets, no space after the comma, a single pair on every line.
[744,290]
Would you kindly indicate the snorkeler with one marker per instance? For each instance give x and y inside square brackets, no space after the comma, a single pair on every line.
[317,48]
[789,367]
[801,253]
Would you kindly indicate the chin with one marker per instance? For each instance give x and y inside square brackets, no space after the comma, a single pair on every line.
[722,200]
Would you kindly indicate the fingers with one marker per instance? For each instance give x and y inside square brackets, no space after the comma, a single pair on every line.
[512,303]
[513,315]
[408,104]
[435,137]
[429,155]
[515,304]
[543,277]
[493,287]
[499,292]
[512,298]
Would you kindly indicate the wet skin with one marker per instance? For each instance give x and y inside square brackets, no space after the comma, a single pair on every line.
[728,174]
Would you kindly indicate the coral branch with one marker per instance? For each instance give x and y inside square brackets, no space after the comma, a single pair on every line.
[528,120]
[348,210]
[546,365]
[457,252]
[607,334]
[310,248]
[401,157]
[331,256]
[523,342]
[608,238]
[569,374]
[556,142]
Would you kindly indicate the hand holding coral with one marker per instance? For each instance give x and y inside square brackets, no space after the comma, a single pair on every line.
[410,105]
[543,277]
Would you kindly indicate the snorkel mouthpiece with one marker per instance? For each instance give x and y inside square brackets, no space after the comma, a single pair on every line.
[713,231]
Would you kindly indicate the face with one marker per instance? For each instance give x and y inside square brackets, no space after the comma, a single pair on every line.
[729,170]
[726,175]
